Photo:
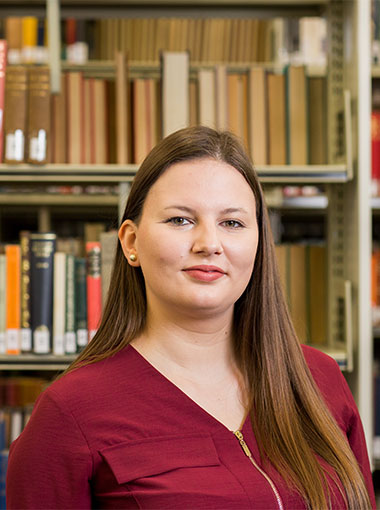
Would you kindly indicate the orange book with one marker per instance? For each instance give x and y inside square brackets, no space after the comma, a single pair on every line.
[13,298]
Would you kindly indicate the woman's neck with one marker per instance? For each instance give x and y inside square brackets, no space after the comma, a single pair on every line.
[200,347]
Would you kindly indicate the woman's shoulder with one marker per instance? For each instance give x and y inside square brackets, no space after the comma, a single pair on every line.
[95,381]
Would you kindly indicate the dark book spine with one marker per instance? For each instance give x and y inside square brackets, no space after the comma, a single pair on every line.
[70,333]
[26,331]
[42,273]
[81,302]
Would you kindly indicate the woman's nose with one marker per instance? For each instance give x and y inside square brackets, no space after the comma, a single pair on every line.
[207,240]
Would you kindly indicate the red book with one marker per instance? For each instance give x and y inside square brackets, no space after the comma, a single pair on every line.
[3,65]
[375,140]
[94,287]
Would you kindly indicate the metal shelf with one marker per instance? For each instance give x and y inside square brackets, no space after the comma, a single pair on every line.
[125,173]
[155,8]
[35,362]
[58,199]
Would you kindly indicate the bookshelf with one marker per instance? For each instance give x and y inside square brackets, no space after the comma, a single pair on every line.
[345,177]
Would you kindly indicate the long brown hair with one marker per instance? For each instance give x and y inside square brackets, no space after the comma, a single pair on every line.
[292,422]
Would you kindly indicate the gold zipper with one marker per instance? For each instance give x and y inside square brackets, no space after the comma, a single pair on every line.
[248,453]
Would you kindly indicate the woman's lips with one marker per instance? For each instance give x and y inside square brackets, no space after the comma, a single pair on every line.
[205,273]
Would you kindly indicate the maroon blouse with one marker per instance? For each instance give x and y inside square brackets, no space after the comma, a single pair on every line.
[118,434]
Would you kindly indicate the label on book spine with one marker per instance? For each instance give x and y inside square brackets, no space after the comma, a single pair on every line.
[26,339]
[3,344]
[37,146]
[59,345]
[41,340]
[14,145]
[13,341]
[70,342]
[82,337]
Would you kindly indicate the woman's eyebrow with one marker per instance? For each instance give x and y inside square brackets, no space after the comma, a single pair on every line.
[228,210]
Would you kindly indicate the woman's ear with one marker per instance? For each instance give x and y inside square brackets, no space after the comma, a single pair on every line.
[127,237]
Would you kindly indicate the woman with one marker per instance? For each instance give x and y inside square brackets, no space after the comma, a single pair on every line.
[195,392]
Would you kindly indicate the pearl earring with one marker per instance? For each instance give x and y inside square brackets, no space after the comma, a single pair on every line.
[132,257]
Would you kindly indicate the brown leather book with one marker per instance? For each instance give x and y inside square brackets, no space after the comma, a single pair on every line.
[15,110]
[38,114]
[258,115]
[317,120]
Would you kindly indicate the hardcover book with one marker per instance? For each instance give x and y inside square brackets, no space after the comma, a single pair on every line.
[42,247]
[94,287]
[26,331]
[38,114]
[15,114]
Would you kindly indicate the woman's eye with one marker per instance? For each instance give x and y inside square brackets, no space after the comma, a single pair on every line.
[233,224]
[178,220]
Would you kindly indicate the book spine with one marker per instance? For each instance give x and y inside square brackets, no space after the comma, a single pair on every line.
[38,114]
[3,65]
[3,303]
[42,271]
[13,258]
[59,303]
[81,303]
[15,114]
[375,142]
[70,336]
[26,331]
[94,287]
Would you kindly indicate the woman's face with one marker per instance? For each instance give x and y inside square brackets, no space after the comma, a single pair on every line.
[197,238]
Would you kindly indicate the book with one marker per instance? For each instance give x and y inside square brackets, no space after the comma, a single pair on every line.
[81,302]
[75,117]
[58,125]
[13,308]
[122,110]
[276,119]
[175,91]
[26,331]
[317,120]
[13,35]
[258,115]
[108,245]
[15,111]
[42,247]
[317,293]
[38,114]
[207,98]
[3,303]
[296,115]
[29,39]
[375,144]
[94,287]
[70,305]
[3,66]
[100,121]
[59,303]
[221,97]
[298,290]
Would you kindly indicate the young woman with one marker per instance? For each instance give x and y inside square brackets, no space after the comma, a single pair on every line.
[195,392]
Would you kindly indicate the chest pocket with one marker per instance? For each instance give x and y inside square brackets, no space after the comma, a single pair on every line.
[152,456]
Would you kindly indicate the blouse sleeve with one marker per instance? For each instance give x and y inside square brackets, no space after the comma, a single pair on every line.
[50,463]
[356,438]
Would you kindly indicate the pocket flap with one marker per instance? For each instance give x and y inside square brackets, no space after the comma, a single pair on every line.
[151,456]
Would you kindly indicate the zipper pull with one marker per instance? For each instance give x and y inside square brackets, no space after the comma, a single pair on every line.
[243,444]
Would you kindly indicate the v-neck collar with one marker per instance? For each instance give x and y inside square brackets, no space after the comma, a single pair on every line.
[184,395]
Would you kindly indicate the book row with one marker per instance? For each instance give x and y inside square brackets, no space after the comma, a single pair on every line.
[303,270]
[280,116]
[50,300]
[206,39]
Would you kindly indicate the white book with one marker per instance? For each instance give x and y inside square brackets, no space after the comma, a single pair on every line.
[59,303]
[175,91]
